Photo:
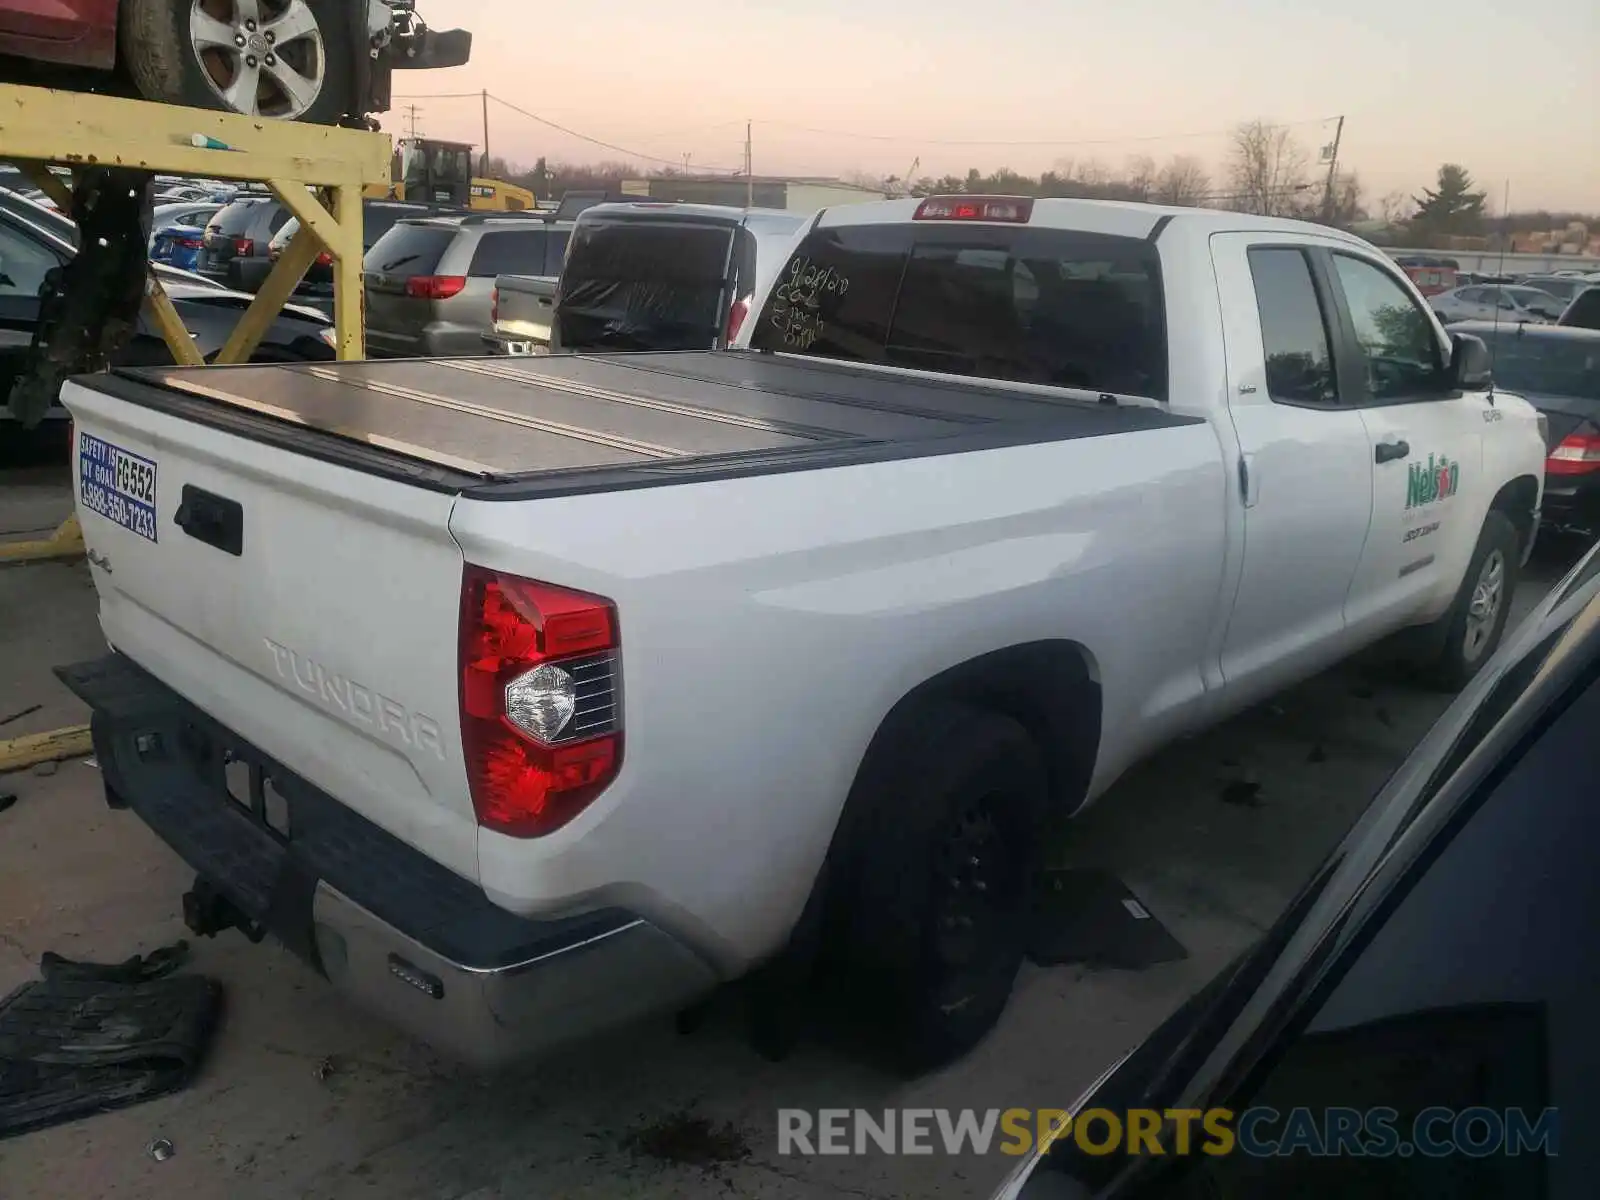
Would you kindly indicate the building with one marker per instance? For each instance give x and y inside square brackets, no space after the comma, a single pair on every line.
[762,191]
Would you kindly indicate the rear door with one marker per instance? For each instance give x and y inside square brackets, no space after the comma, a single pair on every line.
[633,283]
[397,310]
[1425,442]
[1305,479]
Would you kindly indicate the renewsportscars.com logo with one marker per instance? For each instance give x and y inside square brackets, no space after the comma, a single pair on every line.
[1437,479]
[1259,1132]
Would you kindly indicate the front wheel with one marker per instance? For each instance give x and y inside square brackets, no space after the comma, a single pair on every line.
[285,59]
[1476,621]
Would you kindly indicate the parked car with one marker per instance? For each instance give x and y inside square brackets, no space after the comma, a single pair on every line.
[1584,311]
[179,232]
[1557,370]
[1562,287]
[30,247]
[1483,303]
[309,60]
[235,244]
[645,276]
[377,216]
[430,281]
[1004,494]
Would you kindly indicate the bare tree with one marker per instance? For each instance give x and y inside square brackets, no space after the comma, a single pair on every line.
[1267,170]
[1141,177]
[1182,181]
[1395,208]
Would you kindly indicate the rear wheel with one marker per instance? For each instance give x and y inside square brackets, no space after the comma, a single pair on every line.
[285,59]
[941,861]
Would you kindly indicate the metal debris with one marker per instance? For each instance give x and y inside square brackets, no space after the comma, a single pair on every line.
[323,1069]
[20,713]
[160,1150]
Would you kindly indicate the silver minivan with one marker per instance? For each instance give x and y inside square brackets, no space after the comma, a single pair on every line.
[429,282]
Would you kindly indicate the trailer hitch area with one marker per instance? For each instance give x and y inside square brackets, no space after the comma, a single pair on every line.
[207,912]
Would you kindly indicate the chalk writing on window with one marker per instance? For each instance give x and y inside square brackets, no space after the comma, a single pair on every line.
[798,298]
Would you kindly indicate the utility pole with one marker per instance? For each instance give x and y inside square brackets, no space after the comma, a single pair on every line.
[485,169]
[1333,165]
[411,121]
[749,171]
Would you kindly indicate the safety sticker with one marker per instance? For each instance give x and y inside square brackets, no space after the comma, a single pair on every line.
[118,485]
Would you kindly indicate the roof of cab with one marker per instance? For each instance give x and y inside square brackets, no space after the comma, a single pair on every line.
[1120,218]
[644,209]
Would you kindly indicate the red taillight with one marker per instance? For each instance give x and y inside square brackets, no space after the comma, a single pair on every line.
[1578,454]
[324,259]
[737,312]
[244,247]
[1013,209]
[541,718]
[435,287]
[189,243]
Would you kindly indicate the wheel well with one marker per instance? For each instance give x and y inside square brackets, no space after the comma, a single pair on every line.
[1050,688]
[1517,499]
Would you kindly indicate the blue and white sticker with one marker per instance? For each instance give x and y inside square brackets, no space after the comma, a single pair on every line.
[118,485]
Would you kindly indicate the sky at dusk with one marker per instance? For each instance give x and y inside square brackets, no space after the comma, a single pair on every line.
[838,86]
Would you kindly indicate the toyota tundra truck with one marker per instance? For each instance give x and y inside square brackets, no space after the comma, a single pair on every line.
[526,697]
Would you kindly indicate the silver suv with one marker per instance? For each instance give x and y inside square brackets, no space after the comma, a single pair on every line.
[430,281]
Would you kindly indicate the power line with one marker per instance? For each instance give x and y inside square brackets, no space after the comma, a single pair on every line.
[583,137]
[1114,141]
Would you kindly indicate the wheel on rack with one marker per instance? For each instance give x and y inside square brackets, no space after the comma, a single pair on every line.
[286,59]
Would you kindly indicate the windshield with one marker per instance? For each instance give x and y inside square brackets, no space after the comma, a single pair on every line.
[1529,297]
[1554,366]
[1046,306]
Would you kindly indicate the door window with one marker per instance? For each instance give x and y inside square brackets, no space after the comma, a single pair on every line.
[1294,333]
[23,263]
[1394,335]
[509,252]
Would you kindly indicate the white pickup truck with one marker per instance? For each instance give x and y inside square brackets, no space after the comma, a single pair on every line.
[523,697]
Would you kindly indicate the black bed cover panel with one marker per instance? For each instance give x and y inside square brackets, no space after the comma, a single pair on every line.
[601,421]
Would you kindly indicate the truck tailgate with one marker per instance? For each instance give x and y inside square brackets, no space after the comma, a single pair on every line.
[309,607]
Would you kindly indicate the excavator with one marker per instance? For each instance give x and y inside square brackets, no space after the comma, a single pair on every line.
[437,172]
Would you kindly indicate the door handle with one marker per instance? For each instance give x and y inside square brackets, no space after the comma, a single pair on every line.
[1389,451]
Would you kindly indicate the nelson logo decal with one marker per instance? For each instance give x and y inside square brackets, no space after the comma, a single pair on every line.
[1437,479]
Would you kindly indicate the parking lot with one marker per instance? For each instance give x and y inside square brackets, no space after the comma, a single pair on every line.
[304,1096]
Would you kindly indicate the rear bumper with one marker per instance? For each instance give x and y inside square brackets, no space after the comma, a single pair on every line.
[399,933]
[1572,503]
[506,345]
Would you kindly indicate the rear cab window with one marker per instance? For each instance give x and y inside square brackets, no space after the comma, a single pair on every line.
[1027,304]
[644,285]
[409,249]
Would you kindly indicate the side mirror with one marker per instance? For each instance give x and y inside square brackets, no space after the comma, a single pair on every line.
[1471,368]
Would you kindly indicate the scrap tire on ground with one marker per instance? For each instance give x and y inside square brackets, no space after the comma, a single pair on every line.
[155,44]
[1468,640]
[939,860]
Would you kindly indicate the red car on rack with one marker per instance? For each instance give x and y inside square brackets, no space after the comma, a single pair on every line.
[322,61]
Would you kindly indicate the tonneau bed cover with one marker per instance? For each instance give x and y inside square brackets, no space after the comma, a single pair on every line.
[592,422]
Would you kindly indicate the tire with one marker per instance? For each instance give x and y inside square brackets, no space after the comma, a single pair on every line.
[1473,627]
[940,859]
[168,64]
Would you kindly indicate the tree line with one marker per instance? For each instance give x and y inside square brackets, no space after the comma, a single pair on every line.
[1266,171]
